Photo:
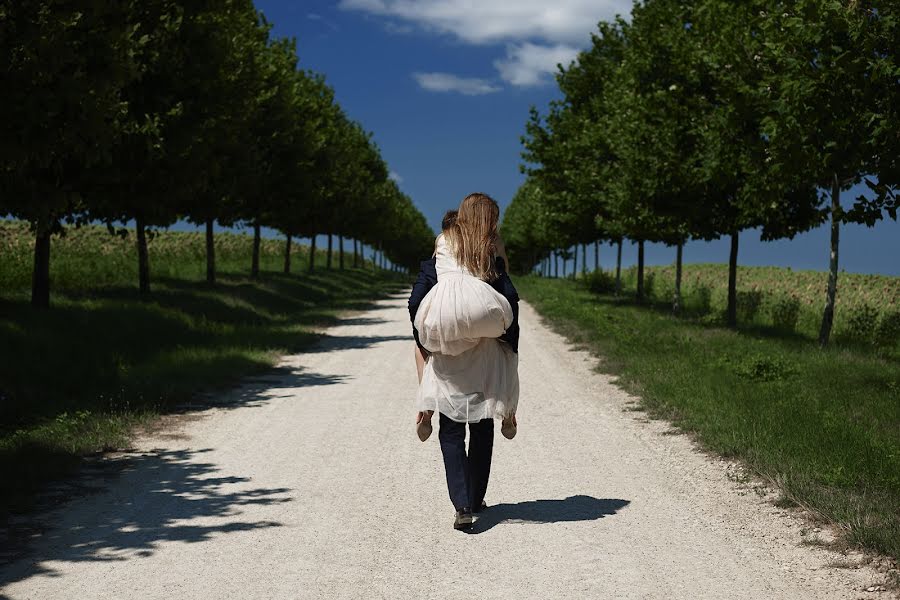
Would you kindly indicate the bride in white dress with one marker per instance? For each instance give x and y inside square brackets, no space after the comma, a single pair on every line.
[471,375]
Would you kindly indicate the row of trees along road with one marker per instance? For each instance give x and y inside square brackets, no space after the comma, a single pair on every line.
[699,119]
[153,111]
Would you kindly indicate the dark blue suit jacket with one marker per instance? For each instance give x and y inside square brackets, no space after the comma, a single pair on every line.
[428,278]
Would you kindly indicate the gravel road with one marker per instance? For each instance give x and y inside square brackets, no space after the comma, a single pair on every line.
[309,482]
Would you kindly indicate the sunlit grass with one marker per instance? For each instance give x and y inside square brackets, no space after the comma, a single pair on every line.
[867,311]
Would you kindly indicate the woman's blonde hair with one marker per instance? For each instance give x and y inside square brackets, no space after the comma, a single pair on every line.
[474,238]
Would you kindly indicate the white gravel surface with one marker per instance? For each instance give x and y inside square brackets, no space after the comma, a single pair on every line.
[311,483]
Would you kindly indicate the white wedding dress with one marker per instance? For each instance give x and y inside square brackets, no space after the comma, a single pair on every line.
[470,375]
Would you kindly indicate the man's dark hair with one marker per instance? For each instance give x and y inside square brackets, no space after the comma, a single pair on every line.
[449,220]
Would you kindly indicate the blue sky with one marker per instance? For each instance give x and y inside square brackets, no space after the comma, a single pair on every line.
[445,86]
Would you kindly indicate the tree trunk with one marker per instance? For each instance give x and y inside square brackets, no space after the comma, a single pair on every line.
[328,257]
[355,255]
[210,253]
[575,261]
[640,273]
[287,254]
[143,256]
[676,304]
[341,251]
[555,265]
[565,262]
[596,255]
[584,259]
[312,253]
[828,314]
[619,268]
[731,311]
[254,264]
[40,276]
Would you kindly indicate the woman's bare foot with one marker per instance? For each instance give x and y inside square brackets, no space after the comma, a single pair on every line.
[423,424]
[509,427]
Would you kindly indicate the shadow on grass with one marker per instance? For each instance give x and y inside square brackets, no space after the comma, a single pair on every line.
[573,508]
[187,334]
[156,497]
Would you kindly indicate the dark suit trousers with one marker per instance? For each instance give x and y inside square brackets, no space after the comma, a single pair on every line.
[467,475]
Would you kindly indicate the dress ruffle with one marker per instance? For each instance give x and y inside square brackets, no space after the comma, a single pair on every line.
[478,384]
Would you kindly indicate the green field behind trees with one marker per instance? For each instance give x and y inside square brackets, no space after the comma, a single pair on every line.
[78,378]
[779,301]
[823,425]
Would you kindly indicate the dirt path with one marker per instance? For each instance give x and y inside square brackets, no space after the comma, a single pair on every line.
[310,483]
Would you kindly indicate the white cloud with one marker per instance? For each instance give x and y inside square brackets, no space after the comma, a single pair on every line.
[529,64]
[395,177]
[539,33]
[489,21]
[447,82]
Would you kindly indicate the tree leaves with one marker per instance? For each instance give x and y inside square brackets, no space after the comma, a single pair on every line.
[159,110]
[704,117]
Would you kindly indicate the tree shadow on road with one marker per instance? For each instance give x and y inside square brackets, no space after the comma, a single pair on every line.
[573,508]
[154,497]
[331,343]
[284,381]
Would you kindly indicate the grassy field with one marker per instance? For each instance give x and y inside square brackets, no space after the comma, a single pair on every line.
[822,425]
[89,258]
[76,379]
[867,312]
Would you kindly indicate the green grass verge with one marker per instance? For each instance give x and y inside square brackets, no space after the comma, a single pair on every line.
[823,425]
[76,379]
